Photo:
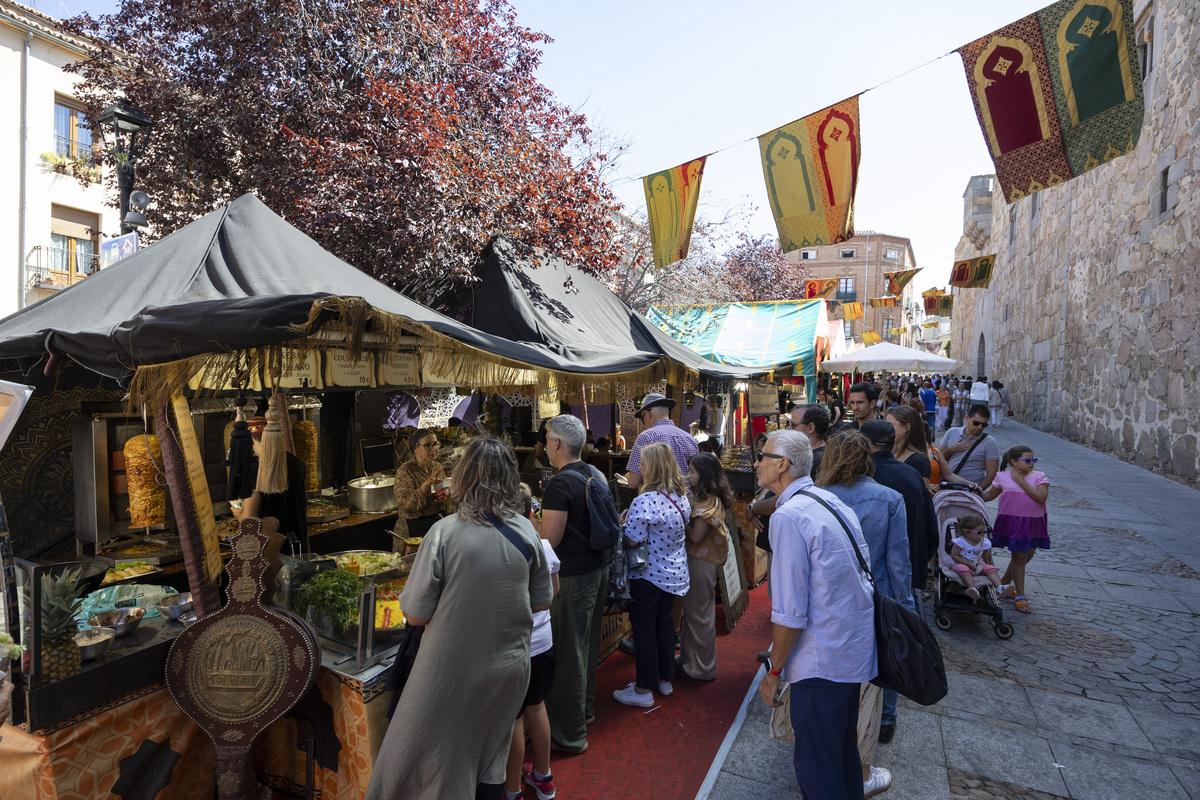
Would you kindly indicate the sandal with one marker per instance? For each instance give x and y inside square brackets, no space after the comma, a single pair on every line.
[1022,604]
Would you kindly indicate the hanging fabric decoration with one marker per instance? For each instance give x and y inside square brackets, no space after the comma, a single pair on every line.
[974,273]
[885,302]
[933,324]
[939,305]
[819,288]
[671,199]
[1057,93]
[897,331]
[852,311]
[871,337]
[896,281]
[811,170]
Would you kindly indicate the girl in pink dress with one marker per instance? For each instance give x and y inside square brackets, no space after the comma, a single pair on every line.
[1021,519]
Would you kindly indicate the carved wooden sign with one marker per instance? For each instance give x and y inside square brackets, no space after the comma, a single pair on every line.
[237,671]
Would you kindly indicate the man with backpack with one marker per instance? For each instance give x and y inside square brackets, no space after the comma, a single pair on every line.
[579,519]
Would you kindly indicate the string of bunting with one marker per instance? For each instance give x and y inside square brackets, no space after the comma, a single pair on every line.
[1056,94]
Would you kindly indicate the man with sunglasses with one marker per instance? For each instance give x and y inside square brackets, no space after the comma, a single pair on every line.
[973,456]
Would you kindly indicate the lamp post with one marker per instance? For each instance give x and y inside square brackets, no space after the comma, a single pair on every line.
[125,130]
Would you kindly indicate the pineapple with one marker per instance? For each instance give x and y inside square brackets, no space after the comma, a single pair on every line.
[60,604]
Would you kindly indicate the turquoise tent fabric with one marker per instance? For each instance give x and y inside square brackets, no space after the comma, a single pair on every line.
[752,335]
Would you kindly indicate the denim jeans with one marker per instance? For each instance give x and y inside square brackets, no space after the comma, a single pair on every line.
[825,719]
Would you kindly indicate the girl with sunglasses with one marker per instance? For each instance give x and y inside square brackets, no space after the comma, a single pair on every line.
[1021,523]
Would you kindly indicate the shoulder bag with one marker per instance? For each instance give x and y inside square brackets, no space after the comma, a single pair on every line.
[910,660]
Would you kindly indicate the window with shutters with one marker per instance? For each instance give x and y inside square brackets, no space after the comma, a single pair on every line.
[73,243]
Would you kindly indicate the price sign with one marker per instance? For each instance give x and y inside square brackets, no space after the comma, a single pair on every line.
[764,399]
[399,369]
[297,370]
[341,370]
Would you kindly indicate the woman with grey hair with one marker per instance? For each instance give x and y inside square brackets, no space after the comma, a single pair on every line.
[475,590]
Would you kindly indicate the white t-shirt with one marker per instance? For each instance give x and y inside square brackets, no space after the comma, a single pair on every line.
[972,552]
[542,639]
[979,392]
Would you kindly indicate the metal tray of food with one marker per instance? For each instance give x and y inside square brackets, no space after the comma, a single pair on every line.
[371,560]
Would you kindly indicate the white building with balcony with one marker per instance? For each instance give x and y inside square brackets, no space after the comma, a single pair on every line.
[51,223]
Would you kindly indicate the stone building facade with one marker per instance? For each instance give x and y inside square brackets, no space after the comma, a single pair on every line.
[859,266]
[1091,319]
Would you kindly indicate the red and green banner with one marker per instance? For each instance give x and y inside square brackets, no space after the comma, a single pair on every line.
[896,281]
[974,273]
[671,199]
[852,311]
[1057,93]
[811,170]
[819,288]
[939,305]
[885,302]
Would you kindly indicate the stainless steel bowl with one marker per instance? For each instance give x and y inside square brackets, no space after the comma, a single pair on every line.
[94,643]
[175,606]
[188,618]
[122,621]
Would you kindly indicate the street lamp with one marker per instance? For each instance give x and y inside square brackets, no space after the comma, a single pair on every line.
[125,130]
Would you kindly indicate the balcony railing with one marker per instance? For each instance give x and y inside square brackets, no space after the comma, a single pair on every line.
[57,267]
[846,297]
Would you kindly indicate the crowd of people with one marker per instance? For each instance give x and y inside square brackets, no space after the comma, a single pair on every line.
[530,609]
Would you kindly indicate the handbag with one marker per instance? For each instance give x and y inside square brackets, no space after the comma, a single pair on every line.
[1010,412]
[910,659]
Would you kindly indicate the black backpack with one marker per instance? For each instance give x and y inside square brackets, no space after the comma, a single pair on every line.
[602,511]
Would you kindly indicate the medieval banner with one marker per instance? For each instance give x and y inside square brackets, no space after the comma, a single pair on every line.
[811,170]
[974,273]
[885,302]
[896,281]
[939,305]
[933,324]
[871,337]
[819,288]
[1057,93]
[852,311]
[671,199]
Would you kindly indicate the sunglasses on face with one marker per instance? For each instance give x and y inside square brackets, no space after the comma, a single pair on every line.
[972,530]
[1026,460]
[978,424]
[760,455]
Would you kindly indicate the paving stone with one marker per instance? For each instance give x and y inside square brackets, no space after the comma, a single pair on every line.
[735,787]
[1094,774]
[1148,598]
[1106,722]
[918,738]
[1024,759]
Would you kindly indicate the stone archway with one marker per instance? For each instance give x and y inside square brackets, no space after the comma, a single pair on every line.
[981,358]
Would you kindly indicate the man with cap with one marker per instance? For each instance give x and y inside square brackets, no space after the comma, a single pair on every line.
[922,528]
[655,416]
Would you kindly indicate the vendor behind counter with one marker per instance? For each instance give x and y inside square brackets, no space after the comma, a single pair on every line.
[418,504]
[278,480]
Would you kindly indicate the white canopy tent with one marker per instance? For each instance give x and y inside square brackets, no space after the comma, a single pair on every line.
[888,357]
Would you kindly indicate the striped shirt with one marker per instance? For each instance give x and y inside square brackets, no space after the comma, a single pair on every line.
[681,443]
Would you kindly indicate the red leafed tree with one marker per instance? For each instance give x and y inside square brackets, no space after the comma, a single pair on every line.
[756,270]
[399,135]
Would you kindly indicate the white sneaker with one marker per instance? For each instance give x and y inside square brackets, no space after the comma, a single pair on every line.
[631,697]
[1007,590]
[973,593]
[880,781]
[665,688]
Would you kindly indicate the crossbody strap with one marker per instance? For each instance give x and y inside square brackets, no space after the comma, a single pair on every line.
[512,536]
[853,544]
[978,442]
[677,508]
[587,496]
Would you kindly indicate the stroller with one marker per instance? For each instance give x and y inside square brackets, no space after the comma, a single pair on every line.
[952,501]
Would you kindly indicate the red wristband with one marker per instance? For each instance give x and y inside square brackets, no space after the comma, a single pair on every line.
[776,672]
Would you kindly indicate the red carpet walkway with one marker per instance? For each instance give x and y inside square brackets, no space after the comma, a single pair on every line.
[664,754]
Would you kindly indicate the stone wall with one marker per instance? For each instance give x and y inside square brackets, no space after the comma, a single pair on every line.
[1091,320]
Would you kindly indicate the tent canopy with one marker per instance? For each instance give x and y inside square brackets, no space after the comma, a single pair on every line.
[238,278]
[534,298]
[888,357]
[759,336]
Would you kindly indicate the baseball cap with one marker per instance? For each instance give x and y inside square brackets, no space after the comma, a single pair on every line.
[878,432]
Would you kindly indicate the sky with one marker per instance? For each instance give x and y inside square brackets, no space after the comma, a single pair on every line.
[678,80]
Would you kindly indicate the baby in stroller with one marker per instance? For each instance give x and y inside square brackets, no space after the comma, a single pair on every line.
[969,553]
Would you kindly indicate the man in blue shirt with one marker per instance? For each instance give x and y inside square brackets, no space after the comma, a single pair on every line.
[929,400]
[822,614]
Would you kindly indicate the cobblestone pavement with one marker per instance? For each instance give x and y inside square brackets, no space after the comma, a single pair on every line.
[1097,694]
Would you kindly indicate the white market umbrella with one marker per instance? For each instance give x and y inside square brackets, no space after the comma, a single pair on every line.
[888,357]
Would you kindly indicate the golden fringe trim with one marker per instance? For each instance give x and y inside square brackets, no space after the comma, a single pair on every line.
[356,326]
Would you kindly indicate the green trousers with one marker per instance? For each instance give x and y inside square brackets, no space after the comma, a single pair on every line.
[576,616]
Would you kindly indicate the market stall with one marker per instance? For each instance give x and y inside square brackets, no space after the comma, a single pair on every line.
[241,304]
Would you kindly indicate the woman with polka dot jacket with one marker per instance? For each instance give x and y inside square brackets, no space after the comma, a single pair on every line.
[657,516]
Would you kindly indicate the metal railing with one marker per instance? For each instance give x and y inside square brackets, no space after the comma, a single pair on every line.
[76,150]
[57,267]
